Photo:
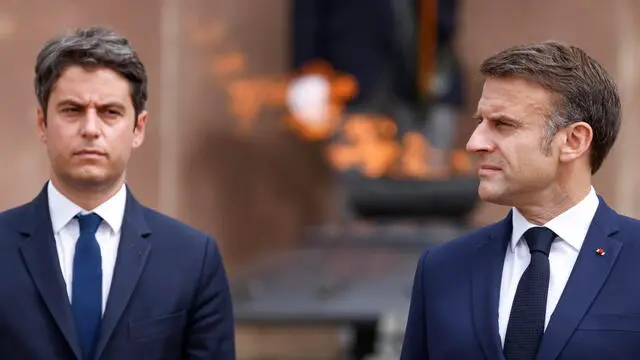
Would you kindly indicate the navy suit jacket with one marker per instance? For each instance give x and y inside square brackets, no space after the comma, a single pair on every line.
[454,306]
[169,298]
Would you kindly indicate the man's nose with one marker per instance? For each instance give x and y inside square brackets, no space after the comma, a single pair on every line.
[91,124]
[480,140]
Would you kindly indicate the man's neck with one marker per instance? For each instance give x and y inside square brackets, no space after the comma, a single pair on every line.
[88,198]
[551,203]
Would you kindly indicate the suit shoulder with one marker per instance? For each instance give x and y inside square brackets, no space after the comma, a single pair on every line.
[15,215]
[628,224]
[172,228]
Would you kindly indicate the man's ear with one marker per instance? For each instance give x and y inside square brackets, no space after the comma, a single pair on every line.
[578,138]
[41,123]
[139,129]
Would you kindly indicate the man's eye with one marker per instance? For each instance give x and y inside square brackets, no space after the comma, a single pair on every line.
[111,112]
[70,110]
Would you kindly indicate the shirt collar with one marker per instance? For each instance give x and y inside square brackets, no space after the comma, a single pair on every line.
[62,210]
[571,226]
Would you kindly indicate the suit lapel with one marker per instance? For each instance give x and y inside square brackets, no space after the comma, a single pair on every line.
[132,255]
[587,277]
[41,259]
[486,279]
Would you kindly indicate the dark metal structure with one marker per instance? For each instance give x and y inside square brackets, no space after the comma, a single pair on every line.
[356,273]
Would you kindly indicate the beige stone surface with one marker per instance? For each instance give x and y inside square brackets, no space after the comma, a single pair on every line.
[302,342]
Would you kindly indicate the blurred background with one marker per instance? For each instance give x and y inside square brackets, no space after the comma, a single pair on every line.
[320,141]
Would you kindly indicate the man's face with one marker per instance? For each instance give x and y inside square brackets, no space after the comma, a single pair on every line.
[89,127]
[515,163]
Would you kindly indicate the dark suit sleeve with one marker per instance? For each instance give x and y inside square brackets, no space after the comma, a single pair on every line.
[210,334]
[414,346]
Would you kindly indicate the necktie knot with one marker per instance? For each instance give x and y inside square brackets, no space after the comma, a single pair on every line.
[539,239]
[89,223]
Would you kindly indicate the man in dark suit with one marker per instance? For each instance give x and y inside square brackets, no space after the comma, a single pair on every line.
[88,272]
[556,278]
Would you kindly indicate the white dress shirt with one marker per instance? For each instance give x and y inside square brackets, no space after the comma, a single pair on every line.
[66,232]
[571,229]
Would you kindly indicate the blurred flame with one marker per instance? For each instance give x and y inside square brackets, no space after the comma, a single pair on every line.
[245,101]
[413,162]
[461,162]
[228,64]
[371,145]
[342,87]
[249,96]
[275,92]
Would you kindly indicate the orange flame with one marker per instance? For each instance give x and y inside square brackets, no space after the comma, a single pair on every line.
[370,141]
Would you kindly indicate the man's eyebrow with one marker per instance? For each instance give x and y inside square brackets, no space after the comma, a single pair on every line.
[66,102]
[71,102]
[112,104]
[502,116]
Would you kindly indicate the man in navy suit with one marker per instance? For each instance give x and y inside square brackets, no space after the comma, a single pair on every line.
[556,278]
[87,272]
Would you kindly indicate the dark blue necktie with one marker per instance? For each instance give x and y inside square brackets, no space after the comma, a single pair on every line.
[526,323]
[86,295]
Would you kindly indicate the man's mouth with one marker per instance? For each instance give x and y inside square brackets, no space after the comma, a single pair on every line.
[89,152]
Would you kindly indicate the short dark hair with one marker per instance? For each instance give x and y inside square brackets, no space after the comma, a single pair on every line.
[584,90]
[90,47]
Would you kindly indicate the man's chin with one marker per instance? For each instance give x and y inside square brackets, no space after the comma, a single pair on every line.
[90,179]
[492,193]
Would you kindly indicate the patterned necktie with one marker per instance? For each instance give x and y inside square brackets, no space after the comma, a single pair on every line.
[526,323]
[86,296]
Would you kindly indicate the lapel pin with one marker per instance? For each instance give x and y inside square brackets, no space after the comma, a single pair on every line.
[600,251]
